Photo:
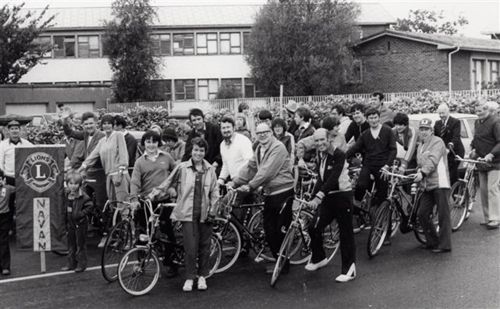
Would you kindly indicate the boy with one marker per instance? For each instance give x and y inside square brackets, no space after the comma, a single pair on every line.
[6,192]
[78,205]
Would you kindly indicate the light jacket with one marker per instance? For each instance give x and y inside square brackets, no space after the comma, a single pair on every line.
[406,147]
[273,172]
[432,161]
[183,179]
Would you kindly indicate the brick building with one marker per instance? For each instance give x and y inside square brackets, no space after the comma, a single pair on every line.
[201,49]
[395,61]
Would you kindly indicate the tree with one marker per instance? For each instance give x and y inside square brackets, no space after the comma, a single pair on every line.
[19,50]
[302,44]
[130,49]
[429,22]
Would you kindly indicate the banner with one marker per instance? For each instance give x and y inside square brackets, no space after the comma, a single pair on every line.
[40,213]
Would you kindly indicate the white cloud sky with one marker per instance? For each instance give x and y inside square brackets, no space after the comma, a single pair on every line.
[482,14]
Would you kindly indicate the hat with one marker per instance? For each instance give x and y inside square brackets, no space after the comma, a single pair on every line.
[170,134]
[291,106]
[13,123]
[425,123]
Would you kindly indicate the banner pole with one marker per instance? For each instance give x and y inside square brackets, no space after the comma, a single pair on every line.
[43,264]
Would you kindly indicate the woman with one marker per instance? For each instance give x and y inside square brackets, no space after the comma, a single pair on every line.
[150,170]
[196,184]
[112,151]
[279,128]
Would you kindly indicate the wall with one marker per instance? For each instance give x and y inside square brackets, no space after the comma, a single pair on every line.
[52,95]
[460,71]
[397,65]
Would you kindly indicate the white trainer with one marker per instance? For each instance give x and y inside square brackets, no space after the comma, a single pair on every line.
[188,285]
[202,284]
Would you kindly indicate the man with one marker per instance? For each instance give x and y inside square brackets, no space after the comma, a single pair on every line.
[378,146]
[291,108]
[448,129]
[236,151]
[333,194]
[7,151]
[386,115]
[209,132]
[339,111]
[89,137]
[130,141]
[358,125]
[267,117]
[433,176]
[270,168]
[486,145]
[406,140]
[303,119]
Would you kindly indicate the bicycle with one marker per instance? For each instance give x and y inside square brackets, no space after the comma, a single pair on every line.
[297,231]
[463,193]
[394,202]
[139,268]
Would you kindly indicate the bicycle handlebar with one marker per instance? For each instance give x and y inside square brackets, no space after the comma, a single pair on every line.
[478,161]
[409,177]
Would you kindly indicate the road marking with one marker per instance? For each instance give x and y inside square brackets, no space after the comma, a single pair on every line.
[57,273]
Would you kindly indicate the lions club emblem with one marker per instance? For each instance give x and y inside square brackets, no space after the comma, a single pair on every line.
[39,171]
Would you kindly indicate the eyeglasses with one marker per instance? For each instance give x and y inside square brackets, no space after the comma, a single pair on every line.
[263,133]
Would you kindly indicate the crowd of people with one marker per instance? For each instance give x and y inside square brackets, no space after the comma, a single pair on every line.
[264,153]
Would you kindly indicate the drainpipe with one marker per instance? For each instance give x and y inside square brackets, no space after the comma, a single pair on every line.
[449,70]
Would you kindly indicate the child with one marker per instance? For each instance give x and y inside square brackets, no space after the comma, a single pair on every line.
[6,192]
[78,205]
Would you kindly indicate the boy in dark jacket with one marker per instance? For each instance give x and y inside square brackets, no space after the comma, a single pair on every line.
[78,205]
[6,192]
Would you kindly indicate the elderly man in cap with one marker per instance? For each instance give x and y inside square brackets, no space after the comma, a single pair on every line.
[7,150]
[433,176]
[291,108]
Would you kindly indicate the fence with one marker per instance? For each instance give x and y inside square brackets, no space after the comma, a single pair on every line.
[231,105]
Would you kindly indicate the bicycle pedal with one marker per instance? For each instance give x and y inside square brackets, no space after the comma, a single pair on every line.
[258,259]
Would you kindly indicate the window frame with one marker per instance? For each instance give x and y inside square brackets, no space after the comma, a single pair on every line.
[98,50]
[231,46]
[183,35]
[64,47]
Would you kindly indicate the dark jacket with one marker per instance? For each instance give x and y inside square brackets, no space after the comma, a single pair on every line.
[300,133]
[334,177]
[82,206]
[213,137]
[354,130]
[450,134]
[131,143]
[376,152]
[487,138]
[81,153]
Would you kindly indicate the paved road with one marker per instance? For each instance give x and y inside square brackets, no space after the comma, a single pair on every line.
[402,276]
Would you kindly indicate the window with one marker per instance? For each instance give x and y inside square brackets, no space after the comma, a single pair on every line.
[184,89]
[477,74]
[230,43]
[494,66]
[88,46]
[207,89]
[64,46]
[161,44]
[184,44]
[249,88]
[234,84]
[206,43]
[44,43]
[246,40]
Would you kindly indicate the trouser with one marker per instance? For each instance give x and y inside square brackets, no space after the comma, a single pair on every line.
[365,183]
[196,238]
[11,181]
[117,187]
[438,197]
[489,183]
[5,226]
[98,187]
[77,243]
[453,168]
[277,216]
[335,206]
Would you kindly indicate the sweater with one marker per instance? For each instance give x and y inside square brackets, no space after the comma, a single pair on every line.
[354,131]
[149,174]
[487,138]
[376,152]
[112,150]
[235,156]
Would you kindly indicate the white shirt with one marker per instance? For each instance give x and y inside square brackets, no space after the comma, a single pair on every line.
[235,156]
[7,155]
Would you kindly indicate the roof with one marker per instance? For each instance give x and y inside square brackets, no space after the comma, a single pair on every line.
[194,16]
[440,40]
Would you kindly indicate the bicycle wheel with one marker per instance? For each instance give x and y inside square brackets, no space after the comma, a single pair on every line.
[331,240]
[300,251]
[395,221]
[256,228]
[419,230]
[230,238]
[215,255]
[139,271]
[119,240]
[459,202]
[283,254]
[379,229]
